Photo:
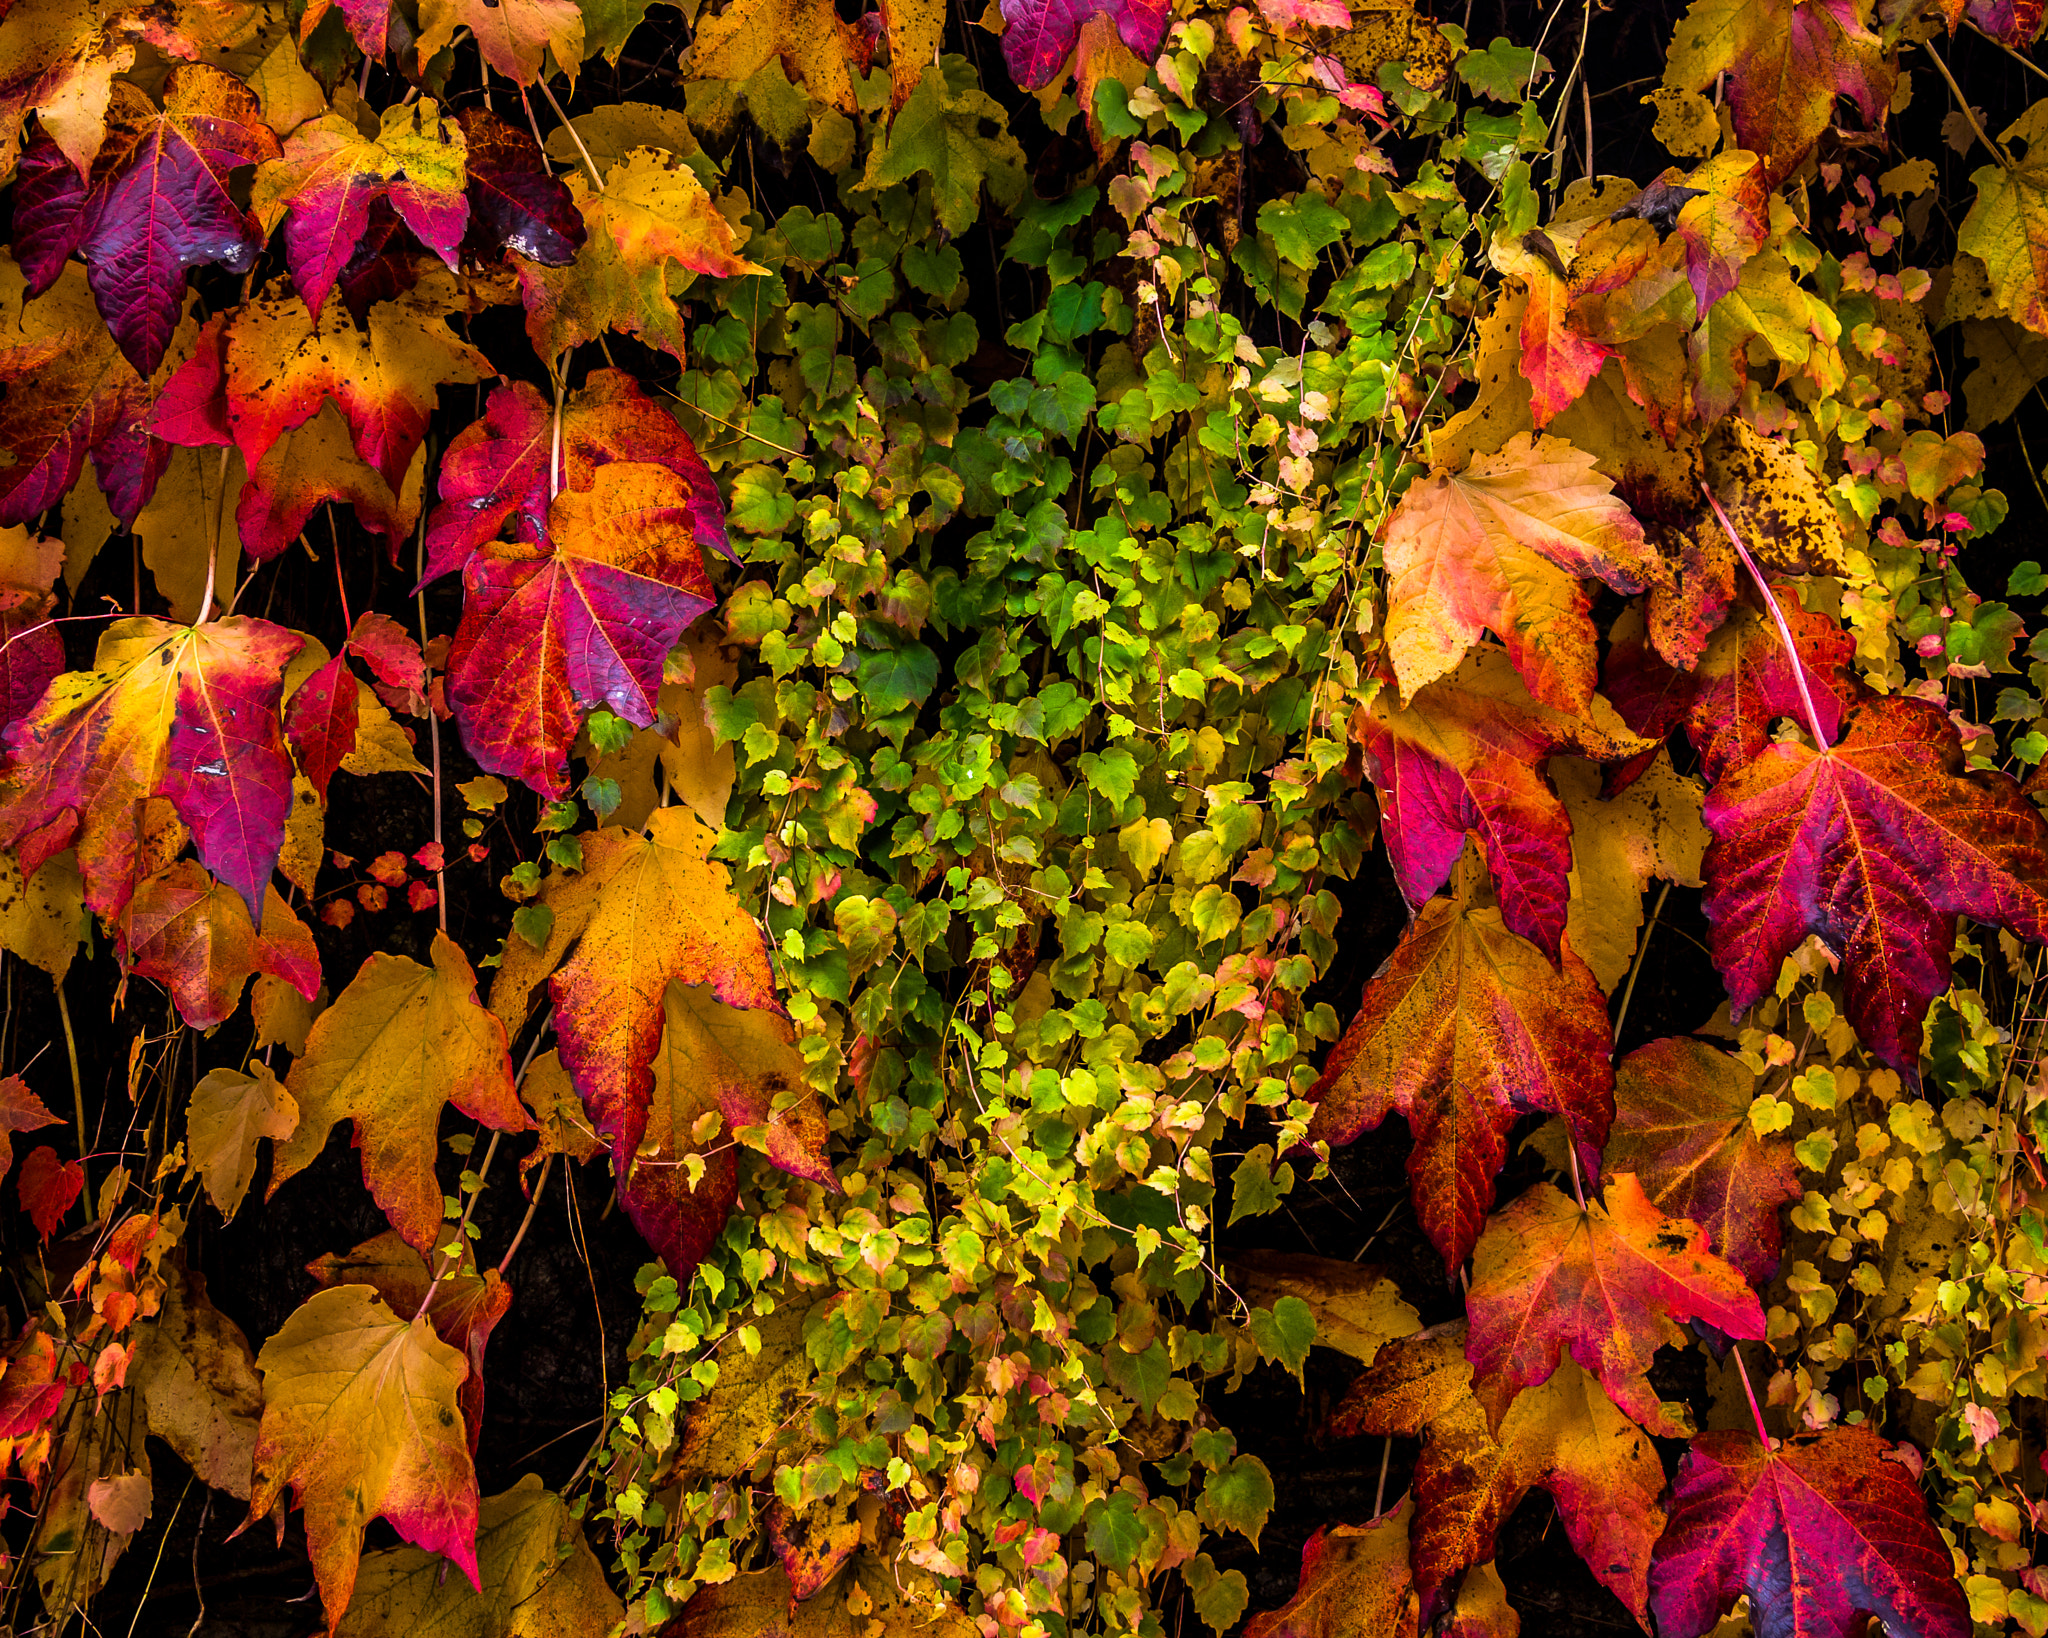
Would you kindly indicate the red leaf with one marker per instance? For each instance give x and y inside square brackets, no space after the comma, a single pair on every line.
[545,639]
[389,650]
[308,466]
[176,711]
[516,203]
[1464,1030]
[1467,756]
[192,935]
[31,652]
[368,22]
[1041,33]
[1876,845]
[158,202]
[20,1111]
[1608,1282]
[1681,1124]
[320,722]
[1818,1532]
[47,1187]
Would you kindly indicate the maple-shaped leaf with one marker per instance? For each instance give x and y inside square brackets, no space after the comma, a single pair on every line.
[274,365]
[193,935]
[941,133]
[1040,34]
[515,36]
[547,637]
[466,1306]
[1743,683]
[1566,1436]
[1786,62]
[320,722]
[817,48]
[2007,228]
[59,63]
[184,712]
[158,203]
[1723,226]
[1464,1030]
[1620,839]
[360,1421]
[69,393]
[1506,546]
[516,202]
[537,1577]
[652,216]
[329,175]
[1777,503]
[494,477]
[1357,1308]
[314,463]
[1354,1583]
[1466,756]
[195,1373]
[1876,844]
[1681,1125]
[678,1180]
[397,1044]
[1557,362]
[230,1113]
[20,1111]
[1609,1282]
[1819,1532]
[47,1188]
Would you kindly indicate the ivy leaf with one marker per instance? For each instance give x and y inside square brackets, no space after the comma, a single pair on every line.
[158,203]
[329,175]
[1463,1031]
[1506,545]
[515,202]
[1467,756]
[1876,844]
[187,713]
[397,1044]
[536,1575]
[1818,1531]
[1039,35]
[1681,1124]
[196,1374]
[652,216]
[1723,225]
[48,1187]
[2007,228]
[360,1422]
[546,638]
[465,1306]
[1566,1437]
[1237,1496]
[20,1111]
[1608,1282]
[938,133]
[230,1113]
[1354,1307]
[193,935]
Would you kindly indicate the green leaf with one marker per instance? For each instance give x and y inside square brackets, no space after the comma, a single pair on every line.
[894,678]
[1114,1533]
[1219,1597]
[1301,228]
[1285,1332]
[1140,1377]
[938,133]
[1504,71]
[1238,1497]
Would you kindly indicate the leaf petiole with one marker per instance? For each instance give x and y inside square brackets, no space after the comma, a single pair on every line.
[1820,738]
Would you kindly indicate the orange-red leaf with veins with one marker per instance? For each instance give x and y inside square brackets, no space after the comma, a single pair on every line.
[192,935]
[20,1111]
[158,203]
[188,713]
[1681,1124]
[47,1187]
[548,636]
[1609,1282]
[1566,1436]
[1354,1583]
[321,722]
[465,1309]
[29,1396]
[1466,1029]
[1467,756]
[1820,1532]
[1876,844]
[1724,226]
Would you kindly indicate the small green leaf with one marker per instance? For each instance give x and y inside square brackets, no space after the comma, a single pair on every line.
[1238,1497]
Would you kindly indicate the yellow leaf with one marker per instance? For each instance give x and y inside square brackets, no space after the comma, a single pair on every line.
[40,919]
[229,1114]
[1358,1309]
[197,1376]
[1651,828]
[191,515]
[2007,228]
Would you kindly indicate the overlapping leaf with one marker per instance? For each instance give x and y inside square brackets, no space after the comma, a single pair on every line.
[1041,34]
[194,936]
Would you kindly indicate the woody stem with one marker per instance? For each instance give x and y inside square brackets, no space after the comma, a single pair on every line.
[1820,738]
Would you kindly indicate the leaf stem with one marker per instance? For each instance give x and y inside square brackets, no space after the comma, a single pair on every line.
[1749,1393]
[575,135]
[540,1184]
[1820,739]
[1963,103]
[1571,1155]
[1635,970]
[433,718]
[77,1097]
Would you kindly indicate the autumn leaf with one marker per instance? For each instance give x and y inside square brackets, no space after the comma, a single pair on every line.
[1357,1307]
[1786,63]
[230,1113]
[360,1422]
[465,1305]
[516,202]
[651,216]
[1681,1124]
[397,1044]
[1466,756]
[1354,1583]
[1464,1030]
[158,203]
[30,1395]
[58,63]
[187,713]
[20,1111]
[545,639]
[528,1587]
[193,935]
[329,175]
[196,1375]
[47,1188]
[1504,546]
[1040,34]
[1876,844]
[1775,501]
[817,48]
[2007,228]
[515,36]
[1566,1437]
[558,1114]
[1818,1531]
[1651,827]
[1609,1282]
[1557,361]
[42,917]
